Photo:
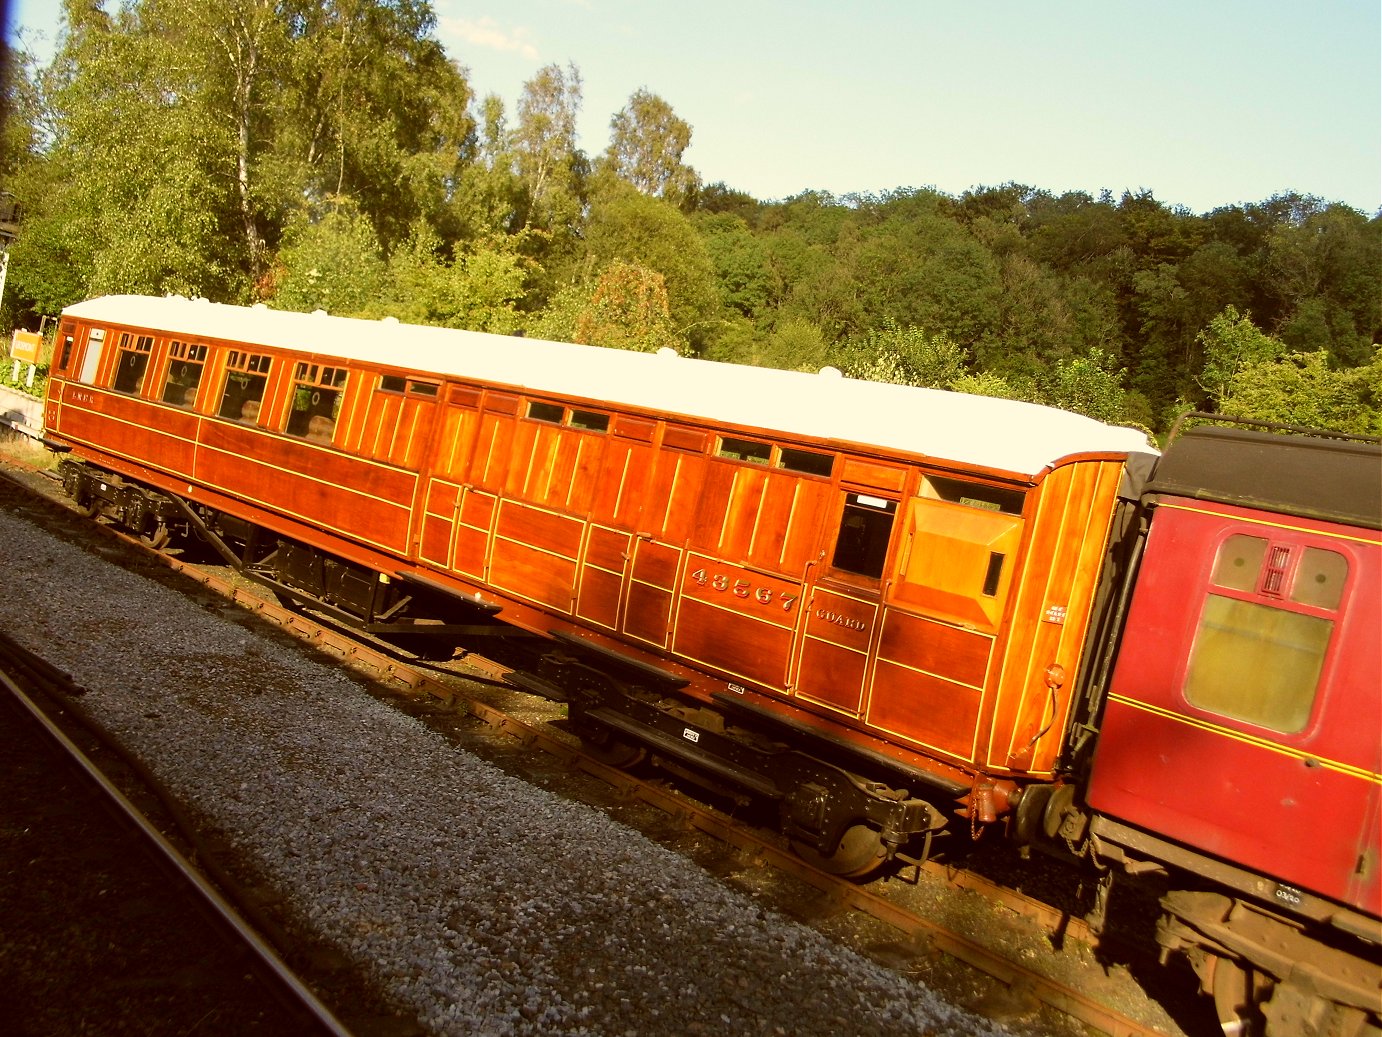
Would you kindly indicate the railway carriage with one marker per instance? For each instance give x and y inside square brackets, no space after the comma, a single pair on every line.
[882,610]
[902,578]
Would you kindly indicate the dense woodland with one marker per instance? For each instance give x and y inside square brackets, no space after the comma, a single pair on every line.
[330,153]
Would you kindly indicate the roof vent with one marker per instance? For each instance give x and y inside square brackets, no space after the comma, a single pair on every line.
[668,352]
[831,372]
[262,307]
[319,313]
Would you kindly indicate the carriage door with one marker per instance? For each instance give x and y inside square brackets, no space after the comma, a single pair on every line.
[91,360]
[842,604]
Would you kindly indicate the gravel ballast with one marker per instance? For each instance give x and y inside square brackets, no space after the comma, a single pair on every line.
[478,902]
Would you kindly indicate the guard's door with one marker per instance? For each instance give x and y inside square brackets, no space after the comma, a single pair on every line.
[842,604]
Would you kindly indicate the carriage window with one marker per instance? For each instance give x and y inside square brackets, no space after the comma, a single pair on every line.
[1320,578]
[91,358]
[589,420]
[184,373]
[316,401]
[246,376]
[546,412]
[65,357]
[972,495]
[585,420]
[744,450]
[132,361]
[1258,654]
[806,461]
[865,528]
[397,383]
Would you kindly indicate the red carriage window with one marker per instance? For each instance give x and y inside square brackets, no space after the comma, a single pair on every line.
[551,412]
[1320,578]
[246,376]
[132,361]
[790,459]
[65,356]
[399,384]
[185,365]
[1264,632]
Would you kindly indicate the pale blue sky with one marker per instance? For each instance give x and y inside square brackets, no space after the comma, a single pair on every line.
[1204,102]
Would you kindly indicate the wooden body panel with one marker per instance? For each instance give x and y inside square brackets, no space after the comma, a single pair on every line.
[1221,764]
[127,426]
[1059,571]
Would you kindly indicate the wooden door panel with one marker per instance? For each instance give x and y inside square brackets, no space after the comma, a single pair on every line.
[922,708]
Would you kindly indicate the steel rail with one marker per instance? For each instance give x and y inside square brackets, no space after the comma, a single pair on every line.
[290,990]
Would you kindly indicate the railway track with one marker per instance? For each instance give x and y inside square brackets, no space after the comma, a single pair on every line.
[753,849]
[177,949]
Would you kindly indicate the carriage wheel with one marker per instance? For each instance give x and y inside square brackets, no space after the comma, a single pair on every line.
[1238,991]
[861,852]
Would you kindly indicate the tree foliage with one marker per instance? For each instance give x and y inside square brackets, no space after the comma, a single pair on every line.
[628,310]
[330,153]
[647,141]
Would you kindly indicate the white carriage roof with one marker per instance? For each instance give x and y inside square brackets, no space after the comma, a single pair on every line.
[1006,435]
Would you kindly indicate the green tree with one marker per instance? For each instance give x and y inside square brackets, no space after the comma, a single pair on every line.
[333,264]
[740,262]
[479,290]
[902,355]
[1232,343]
[794,345]
[628,310]
[557,321]
[918,266]
[647,142]
[550,165]
[185,132]
[1087,385]
[1302,389]
[627,227]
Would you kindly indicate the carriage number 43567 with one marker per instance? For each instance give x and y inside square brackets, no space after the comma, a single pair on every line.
[744,589]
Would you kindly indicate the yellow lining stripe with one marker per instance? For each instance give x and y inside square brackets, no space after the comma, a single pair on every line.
[1277,525]
[1247,739]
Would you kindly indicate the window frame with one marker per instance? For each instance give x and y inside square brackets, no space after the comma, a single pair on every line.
[578,419]
[867,506]
[252,368]
[1234,612]
[139,350]
[183,356]
[315,398]
[773,456]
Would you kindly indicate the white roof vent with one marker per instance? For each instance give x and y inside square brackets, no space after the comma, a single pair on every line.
[831,372]
[668,352]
